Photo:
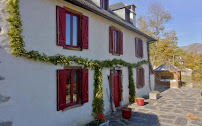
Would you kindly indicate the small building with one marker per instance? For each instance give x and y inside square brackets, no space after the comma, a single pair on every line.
[167,75]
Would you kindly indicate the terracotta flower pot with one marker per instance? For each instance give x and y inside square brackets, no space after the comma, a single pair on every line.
[140,101]
[126,112]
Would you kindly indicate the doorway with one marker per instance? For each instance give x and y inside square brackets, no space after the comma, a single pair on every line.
[115,86]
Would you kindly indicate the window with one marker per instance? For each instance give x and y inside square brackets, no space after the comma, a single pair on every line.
[138,48]
[115,41]
[72,29]
[140,78]
[72,87]
[104,4]
[72,23]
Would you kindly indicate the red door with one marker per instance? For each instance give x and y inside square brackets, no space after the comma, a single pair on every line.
[115,87]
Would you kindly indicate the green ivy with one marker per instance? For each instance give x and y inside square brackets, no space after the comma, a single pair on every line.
[17,48]
[98,103]
[131,85]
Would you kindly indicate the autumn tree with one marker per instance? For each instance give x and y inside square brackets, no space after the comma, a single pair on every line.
[143,25]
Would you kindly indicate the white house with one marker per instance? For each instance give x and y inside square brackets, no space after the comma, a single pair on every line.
[36,92]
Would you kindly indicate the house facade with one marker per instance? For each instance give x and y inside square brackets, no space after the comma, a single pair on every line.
[40,93]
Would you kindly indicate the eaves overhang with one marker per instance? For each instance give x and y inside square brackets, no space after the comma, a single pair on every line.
[103,13]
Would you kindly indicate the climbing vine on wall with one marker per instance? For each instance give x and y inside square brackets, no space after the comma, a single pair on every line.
[17,48]
[131,85]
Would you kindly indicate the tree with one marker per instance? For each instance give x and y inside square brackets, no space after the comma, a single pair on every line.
[157,20]
[143,25]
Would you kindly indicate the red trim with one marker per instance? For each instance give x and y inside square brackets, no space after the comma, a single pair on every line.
[71,29]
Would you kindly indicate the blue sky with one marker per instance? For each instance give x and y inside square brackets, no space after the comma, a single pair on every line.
[187,17]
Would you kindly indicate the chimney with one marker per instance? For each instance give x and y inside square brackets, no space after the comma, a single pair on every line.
[102,3]
[132,15]
[126,12]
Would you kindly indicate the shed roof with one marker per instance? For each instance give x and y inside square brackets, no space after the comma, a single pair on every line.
[167,67]
[110,15]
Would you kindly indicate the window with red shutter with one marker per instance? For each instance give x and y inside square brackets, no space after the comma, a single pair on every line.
[138,48]
[115,41]
[140,78]
[61,86]
[84,86]
[84,32]
[121,42]
[70,28]
[111,29]
[61,25]
[68,87]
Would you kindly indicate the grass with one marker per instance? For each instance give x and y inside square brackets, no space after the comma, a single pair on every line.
[197,87]
[154,92]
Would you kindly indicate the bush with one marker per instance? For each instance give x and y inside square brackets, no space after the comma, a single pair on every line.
[197,75]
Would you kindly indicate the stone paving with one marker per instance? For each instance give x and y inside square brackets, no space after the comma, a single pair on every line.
[169,110]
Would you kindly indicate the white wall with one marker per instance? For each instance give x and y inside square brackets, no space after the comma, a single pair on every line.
[146,89]
[32,84]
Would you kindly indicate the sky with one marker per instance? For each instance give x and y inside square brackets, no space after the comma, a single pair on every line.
[187,17]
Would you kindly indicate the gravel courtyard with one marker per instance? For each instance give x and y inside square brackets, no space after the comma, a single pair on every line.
[169,110]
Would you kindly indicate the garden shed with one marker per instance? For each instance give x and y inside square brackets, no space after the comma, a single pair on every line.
[167,75]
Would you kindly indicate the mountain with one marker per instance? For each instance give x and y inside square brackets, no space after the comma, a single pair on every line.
[196,47]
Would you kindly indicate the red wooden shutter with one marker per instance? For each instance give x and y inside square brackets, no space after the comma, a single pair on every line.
[121,43]
[136,47]
[143,78]
[142,49]
[140,46]
[60,26]
[84,86]
[138,78]
[84,32]
[61,89]
[111,29]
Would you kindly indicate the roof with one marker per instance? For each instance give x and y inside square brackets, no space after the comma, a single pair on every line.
[110,15]
[116,6]
[167,67]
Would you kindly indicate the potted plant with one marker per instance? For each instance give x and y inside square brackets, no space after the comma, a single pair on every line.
[140,101]
[126,112]
[100,121]
[154,95]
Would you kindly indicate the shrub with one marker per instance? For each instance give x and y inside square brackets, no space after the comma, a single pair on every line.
[197,75]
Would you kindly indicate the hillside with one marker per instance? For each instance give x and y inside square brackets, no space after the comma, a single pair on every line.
[193,47]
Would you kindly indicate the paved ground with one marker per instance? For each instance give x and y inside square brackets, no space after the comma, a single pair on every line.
[169,110]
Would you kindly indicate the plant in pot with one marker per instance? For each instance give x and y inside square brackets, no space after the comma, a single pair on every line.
[154,95]
[100,121]
[126,112]
[140,101]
